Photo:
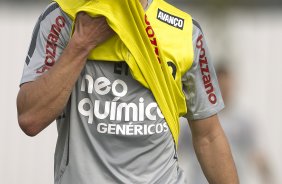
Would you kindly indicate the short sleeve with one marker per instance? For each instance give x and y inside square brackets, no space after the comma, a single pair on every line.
[200,85]
[50,36]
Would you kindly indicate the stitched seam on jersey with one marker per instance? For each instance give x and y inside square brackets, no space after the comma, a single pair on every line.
[206,113]
[197,24]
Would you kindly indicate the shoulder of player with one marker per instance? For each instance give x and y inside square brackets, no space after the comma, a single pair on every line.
[196,26]
[176,11]
[54,15]
[197,32]
[169,8]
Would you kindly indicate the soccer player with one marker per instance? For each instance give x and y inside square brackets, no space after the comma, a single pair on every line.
[110,127]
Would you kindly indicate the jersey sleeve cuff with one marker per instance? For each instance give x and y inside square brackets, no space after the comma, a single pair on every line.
[205,114]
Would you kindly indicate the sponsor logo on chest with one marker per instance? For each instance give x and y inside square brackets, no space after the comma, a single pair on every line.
[172,20]
[118,116]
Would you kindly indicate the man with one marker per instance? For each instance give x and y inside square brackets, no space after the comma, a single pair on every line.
[110,129]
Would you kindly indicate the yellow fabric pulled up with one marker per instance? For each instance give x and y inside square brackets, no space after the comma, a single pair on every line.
[137,44]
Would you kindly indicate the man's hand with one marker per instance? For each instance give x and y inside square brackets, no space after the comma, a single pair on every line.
[89,32]
[213,151]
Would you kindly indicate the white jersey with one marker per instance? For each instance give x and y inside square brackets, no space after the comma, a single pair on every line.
[112,130]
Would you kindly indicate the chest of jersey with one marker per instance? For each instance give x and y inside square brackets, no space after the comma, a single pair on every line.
[111,102]
[118,124]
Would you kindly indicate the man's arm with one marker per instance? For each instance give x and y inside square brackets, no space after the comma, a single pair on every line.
[213,152]
[40,102]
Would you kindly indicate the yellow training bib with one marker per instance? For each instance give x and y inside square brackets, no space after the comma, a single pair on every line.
[156,44]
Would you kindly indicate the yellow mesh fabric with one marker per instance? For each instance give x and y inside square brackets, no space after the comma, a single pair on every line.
[137,43]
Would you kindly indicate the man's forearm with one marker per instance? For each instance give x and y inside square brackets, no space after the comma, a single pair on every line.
[214,154]
[41,101]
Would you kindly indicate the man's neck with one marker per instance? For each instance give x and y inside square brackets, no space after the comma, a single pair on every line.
[144,3]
